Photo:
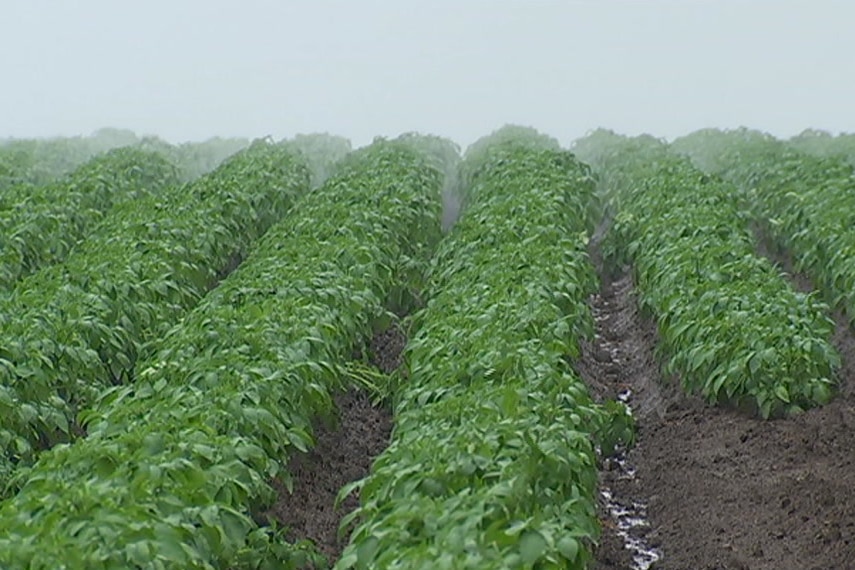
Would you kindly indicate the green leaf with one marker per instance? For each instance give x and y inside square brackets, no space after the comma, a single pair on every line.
[235,526]
[169,545]
[347,490]
[781,393]
[365,553]
[532,546]
[569,548]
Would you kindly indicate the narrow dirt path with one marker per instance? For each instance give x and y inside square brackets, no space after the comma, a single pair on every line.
[342,454]
[619,364]
[721,491]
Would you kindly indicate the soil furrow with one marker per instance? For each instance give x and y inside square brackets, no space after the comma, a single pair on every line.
[619,364]
[343,453]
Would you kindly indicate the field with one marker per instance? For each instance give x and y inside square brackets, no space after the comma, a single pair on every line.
[258,355]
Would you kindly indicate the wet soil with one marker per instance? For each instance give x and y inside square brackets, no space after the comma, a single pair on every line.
[617,363]
[722,490]
[343,453]
[387,348]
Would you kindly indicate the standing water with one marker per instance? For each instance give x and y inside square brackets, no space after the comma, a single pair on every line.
[629,517]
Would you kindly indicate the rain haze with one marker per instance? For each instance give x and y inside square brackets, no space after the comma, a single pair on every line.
[189,70]
[312,284]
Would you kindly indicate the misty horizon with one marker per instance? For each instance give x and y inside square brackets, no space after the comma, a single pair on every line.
[190,71]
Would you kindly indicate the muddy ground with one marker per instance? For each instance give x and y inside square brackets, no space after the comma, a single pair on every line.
[343,453]
[722,491]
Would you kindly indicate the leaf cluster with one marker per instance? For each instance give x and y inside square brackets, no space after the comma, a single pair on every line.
[39,225]
[825,145]
[40,161]
[807,206]
[322,152]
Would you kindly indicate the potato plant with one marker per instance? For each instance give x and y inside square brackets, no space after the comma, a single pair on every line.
[492,463]
[804,203]
[174,465]
[807,206]
[41,224]
[41,161]
[731,326]
[73,330]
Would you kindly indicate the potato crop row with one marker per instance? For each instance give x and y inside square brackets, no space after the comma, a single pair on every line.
[492,463]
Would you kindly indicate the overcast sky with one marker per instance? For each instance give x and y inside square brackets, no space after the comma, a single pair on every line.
[191,69]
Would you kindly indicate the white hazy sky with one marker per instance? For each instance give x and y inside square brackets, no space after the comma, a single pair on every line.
[191,69]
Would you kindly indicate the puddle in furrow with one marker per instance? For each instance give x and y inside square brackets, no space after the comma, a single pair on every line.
[629,517]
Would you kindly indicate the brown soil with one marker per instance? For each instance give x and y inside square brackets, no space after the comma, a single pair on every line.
[723,491]
[386,349]
[620,359]
[342,454]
